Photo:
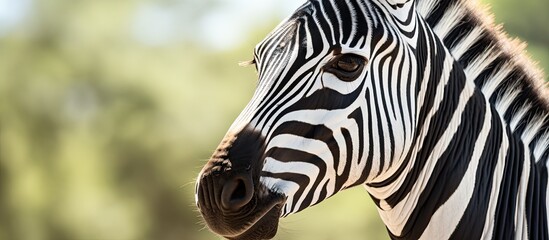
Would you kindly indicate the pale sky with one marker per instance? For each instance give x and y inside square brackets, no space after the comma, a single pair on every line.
[154,23]
[222,27]
[11,13]
[229,23]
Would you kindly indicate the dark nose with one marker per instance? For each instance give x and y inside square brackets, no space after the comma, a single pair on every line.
[227,192]
[228,179]
[236,192]
[223,188]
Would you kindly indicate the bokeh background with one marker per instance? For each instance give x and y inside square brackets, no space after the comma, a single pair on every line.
[109,109]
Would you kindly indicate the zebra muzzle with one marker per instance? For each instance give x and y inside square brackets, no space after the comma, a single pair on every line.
[230,197]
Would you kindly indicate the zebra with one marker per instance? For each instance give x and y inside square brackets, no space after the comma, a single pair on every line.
[426,103]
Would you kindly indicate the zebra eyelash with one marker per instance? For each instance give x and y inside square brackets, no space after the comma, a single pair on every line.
[247,63]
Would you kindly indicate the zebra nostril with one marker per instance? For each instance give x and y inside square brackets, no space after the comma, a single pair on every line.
[239,192]
[236,193]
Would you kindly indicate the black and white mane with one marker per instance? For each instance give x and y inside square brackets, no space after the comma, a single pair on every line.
[507,77]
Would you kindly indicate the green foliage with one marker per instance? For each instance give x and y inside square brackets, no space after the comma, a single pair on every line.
[527,20]
[101,136]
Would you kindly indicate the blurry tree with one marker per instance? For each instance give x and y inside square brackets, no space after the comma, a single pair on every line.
[99,134]
[528,20]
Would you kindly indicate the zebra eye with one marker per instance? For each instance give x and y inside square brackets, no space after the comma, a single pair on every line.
[346,67]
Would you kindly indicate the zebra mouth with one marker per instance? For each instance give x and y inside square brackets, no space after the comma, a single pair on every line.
[258,219]
[263,227]
[233,201]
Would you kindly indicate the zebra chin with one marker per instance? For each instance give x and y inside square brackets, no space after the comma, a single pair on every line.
[231,198]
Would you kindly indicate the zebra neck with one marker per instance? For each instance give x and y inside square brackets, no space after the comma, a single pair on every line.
[512,85]
[468,174]
[473,180]
[451,123]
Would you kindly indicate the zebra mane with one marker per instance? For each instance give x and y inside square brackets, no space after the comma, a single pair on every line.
[498,65]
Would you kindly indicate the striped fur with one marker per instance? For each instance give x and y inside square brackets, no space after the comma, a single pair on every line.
[447,126]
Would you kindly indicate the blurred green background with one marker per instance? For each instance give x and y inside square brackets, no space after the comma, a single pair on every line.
[109,109]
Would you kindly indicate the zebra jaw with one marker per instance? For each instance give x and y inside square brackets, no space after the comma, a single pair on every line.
[229,195]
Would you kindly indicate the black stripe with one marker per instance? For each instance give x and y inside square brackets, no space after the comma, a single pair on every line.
[535,204]
[460,31]
[346,20]
[448,171]
[359,119]
[508,192]
[332,20]
[317,132]
[300,179]
[292,155]
[472,222]
[342,179]
[537,221]
[361,25]
[327,99]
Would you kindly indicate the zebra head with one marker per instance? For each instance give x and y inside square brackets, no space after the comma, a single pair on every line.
[334,108]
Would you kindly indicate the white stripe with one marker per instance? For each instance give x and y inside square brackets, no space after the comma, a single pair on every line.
[332,82]
[307,169]
[312,146]
[516,119]
[466,44]
[520,212]
[447,217]
[533,127]
[547,191]
[504,101]
[495,80]
[426,7]
[331,41]
[541,146]
[496,183]
[339,22]
[309,42]
[290,188]
[480,63]
[352,10]
[449,20]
